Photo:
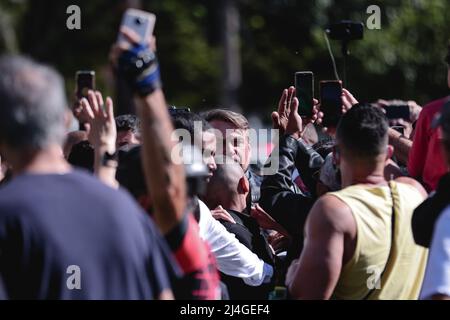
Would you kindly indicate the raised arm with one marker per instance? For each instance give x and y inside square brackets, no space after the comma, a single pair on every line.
[280,197]
[102,135]
[164,175]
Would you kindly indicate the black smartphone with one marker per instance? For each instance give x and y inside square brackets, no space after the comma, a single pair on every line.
[331,102]
[400,129]
[85,81]
[304,88]
[346,30]
[399,111]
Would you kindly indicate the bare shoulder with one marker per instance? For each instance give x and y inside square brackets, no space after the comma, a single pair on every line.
[329,212]
[413,183]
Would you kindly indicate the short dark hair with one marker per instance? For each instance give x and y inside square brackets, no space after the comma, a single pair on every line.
[363,131]
[186,120]
[234,118]
[127,122]
[82,156]
[130,173]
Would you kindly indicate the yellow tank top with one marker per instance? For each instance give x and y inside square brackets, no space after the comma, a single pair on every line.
[372,211]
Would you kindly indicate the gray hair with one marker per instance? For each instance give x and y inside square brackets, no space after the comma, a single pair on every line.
[32,104]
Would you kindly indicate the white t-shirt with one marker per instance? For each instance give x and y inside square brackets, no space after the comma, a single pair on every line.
[437,275]
[233,258]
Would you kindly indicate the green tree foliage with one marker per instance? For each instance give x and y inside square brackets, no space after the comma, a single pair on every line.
[278,37]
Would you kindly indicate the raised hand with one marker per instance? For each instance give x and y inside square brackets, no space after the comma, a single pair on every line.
[136,61]
[100,117]
[287,119]
[348,100]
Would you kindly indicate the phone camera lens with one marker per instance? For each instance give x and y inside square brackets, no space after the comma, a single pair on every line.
[138,21]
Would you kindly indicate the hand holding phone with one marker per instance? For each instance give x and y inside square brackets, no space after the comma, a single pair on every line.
[304,88]
[139,22]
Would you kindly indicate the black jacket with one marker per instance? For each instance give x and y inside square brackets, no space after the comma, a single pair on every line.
[426,214]
[280,196]
[247,231]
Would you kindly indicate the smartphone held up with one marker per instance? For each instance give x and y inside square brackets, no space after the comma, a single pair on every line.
[140,22]
[331,102]
[85,80]
[304,88]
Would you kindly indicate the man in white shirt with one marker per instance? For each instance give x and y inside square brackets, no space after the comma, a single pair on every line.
[233,258]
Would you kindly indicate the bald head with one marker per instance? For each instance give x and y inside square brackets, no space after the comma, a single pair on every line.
[227,187]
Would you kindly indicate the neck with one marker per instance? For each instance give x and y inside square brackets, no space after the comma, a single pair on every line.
[46,161]
[237,203]
[362,175]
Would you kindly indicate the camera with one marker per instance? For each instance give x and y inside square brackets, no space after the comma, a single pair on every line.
[346,30]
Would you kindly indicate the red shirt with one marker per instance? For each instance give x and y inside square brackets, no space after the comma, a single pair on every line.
[201,279]
[426,162]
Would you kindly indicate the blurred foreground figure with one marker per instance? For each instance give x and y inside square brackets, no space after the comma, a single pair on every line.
[431,225]
[63,233]
[426,160]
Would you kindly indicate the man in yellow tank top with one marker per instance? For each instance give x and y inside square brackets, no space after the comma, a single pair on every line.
[358,241]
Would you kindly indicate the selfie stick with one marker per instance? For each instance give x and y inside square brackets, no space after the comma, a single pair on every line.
[345,54]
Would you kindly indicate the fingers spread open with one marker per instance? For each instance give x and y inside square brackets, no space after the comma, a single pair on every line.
[276,120]
[283,101]
[109,109]
[93,102]
[100,103]
[86,109]
[291,95]
[294,105]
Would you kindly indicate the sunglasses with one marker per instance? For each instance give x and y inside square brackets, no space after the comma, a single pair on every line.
[178,110]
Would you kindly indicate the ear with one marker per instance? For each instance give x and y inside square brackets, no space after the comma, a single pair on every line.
[389,152]
[244,185]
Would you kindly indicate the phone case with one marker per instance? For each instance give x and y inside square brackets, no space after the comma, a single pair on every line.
[141,22]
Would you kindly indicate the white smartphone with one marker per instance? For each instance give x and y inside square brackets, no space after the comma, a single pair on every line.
[141,22]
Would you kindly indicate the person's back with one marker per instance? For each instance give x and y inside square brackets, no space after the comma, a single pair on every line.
[67,236]
[358,241]
[372,208]
[63,234]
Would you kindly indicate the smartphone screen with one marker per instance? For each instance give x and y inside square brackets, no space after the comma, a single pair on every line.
[304,88]
[400,129]
[85,81]
[397,111]
[141,22]
[331,102]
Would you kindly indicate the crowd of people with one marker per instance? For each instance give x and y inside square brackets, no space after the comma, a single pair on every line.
[167,204]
